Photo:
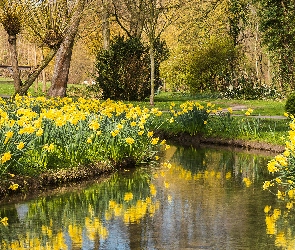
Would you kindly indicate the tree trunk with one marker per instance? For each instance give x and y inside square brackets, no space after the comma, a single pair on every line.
[43,73]
[152,57]
[61,70]
[106,27]
[64,54]
[35,64]
[14,62]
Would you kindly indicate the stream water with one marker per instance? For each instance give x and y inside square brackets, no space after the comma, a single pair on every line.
[199,198]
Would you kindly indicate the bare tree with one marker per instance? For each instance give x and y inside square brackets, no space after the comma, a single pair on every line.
[130,16]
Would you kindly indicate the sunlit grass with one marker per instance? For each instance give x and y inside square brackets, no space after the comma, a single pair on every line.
[7,87]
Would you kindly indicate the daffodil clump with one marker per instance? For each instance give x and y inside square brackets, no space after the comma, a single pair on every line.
[282,167]
[192,116]
[39,133]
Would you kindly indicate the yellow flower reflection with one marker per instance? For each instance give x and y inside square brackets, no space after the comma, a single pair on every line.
[14,186]
[247,182]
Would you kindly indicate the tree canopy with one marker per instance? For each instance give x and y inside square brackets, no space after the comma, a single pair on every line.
[214,45]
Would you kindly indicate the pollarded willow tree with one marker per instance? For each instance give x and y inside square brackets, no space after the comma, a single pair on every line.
[11,19]
[44,26]
[51,24]
[39,21]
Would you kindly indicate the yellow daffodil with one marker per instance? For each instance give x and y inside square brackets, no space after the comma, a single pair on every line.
[247,182]
[20,146]
[129,140]
[267,184]
[49,148]
[150,134]
[228,175]
[14,186]
[140,132]
[6,157]
[154,141]
[271,166]
[115,133]
[94,125]
[289,205]
[8,136]
[267,209]
[119,126]
[128,196]
[39,132]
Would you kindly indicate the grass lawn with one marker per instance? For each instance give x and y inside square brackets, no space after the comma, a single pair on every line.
[260,107]
[7,87]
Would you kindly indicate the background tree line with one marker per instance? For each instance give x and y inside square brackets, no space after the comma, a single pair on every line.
[131,48]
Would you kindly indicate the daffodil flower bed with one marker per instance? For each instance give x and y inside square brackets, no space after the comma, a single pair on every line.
[206,119]
[37,134]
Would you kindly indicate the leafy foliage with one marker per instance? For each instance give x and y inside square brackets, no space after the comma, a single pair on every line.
[238,13]
[277,26]
[290,104]
[209,67]
[11,17]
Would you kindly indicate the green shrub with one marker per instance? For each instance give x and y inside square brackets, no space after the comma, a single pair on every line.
[123,71]
[209,68]
[290,104]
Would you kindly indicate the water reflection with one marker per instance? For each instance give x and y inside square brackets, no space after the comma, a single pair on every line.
[198,199]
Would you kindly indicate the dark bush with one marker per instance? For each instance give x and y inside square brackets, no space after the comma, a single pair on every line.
[123,71]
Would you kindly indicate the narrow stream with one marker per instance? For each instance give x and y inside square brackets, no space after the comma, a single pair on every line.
[200,198]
